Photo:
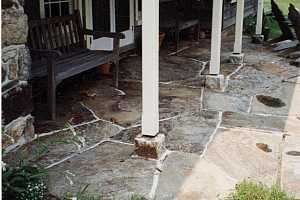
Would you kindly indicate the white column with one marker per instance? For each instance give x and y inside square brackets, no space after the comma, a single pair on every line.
[259,22]
[216,33]
[239,27]
[150,62]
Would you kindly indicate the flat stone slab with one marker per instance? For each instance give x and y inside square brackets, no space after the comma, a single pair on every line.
[252,121]
[290,170]
[109,170]
[235,151]
[171,68]
[285,45]
[187,133]
[127,110]
[51,149]
[288,95]
[187,176]
[232,157]
[225,102]
[252,80]
[190,133]
[68,112]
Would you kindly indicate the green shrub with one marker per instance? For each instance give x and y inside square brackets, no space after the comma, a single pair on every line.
[81,195]
[250,25]
[248,190]
[136,197]
[23,182]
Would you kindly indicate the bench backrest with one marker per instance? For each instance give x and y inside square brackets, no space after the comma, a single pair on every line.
[57,33]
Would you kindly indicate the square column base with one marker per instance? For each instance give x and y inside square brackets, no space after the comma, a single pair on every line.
[258,39]
[150,147]
[215,82]
[237,58]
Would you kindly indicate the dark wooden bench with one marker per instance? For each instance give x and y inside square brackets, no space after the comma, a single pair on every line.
[176,16]
[58,51]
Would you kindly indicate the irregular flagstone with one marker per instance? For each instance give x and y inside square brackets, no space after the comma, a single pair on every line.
[126,110]
[67,113]
[251,81]
[285,45]
[288,94]
[236,153]
[225,101]
[109,170]
[187,176]
[53,148]
[294,79]
[270,123]
[178,99]
[187,133]
[190,133]
[226,69]
[290,171]
[171,68]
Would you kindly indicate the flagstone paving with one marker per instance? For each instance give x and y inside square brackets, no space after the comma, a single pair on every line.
[214,139]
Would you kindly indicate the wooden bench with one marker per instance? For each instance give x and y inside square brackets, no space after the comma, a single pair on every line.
[176,16]
[58,51]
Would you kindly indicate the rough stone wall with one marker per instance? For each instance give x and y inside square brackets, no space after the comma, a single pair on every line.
[17,123]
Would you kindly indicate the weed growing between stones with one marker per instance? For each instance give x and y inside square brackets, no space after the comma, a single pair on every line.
[250,190]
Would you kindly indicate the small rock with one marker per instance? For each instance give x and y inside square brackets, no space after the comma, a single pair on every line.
[263,147]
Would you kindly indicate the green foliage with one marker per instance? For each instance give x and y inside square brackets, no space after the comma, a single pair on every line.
[23,182]
[81,195]
[249,25]
[248,190]
[136,197]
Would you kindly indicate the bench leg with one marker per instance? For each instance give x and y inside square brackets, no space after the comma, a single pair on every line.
[116,75]
[51,91]
[52,101]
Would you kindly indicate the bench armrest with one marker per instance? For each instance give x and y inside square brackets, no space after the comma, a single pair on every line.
[99,34]
[46,53]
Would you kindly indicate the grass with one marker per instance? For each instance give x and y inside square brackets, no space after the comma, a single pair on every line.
[248,190]
[283,4]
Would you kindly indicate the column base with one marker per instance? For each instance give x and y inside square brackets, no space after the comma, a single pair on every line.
[258,39]
[215,82]
[236,58]
[150,147]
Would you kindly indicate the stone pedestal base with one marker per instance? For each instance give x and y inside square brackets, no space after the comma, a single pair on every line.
[150,147]
[258,39]
[237,58]
[215,82]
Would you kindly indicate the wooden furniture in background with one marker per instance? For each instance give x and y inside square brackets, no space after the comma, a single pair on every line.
[58,51]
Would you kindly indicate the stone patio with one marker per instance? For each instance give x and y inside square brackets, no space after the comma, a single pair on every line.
[211,135]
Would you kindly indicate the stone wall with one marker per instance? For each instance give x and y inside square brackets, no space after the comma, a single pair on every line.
[17,123]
